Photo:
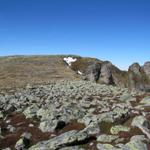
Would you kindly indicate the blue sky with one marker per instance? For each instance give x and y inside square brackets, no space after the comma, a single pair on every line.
[115,30]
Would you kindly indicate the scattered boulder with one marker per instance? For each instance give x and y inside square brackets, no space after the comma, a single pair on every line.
[106,147]
[137,142]
[72,148]
[104,138]
[30,111]
[143,124]
[63,140]
[48,125]
[145,101]
[116,129]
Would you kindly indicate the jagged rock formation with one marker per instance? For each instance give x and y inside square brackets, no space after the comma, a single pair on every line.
[136,77]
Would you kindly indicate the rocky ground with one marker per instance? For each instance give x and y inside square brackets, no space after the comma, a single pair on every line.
[74,115]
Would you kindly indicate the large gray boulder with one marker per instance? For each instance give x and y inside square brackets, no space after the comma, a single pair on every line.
[137,142]
[143,124]
[61,141]
[104,138]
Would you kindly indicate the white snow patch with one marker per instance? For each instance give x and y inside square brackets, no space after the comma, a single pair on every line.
[79,72]
[69,60]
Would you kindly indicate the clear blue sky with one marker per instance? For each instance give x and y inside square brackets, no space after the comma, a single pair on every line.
[115,30]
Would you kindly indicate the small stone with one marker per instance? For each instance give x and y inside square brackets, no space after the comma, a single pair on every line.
[105,147]
[116,129]
[31,125]
[8,121]
[11,128]
[1,115]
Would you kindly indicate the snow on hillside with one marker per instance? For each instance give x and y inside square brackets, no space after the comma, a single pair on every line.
[70,60]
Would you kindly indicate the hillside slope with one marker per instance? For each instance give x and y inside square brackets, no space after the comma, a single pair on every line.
[18,71]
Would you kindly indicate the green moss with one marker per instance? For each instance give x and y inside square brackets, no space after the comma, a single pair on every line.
[83,63]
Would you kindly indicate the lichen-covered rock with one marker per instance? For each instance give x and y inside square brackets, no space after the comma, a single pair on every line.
[107,147]
[139,121]
[93,128]
[104,138]
[137,142]
[30,111]
[121,113]
[61,141]
[116,129]
[143,124]
[48,125]
[145,101]
[72,148]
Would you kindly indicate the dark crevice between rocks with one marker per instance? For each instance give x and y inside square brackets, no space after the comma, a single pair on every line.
[123,119]
[26,142]
[60,125]
[72,125]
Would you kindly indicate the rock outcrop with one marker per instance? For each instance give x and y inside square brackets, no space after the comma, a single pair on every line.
[104,72]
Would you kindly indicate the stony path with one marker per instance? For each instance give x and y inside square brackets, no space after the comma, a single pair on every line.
[74,115]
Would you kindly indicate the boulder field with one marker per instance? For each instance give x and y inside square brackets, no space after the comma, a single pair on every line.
[74,115]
